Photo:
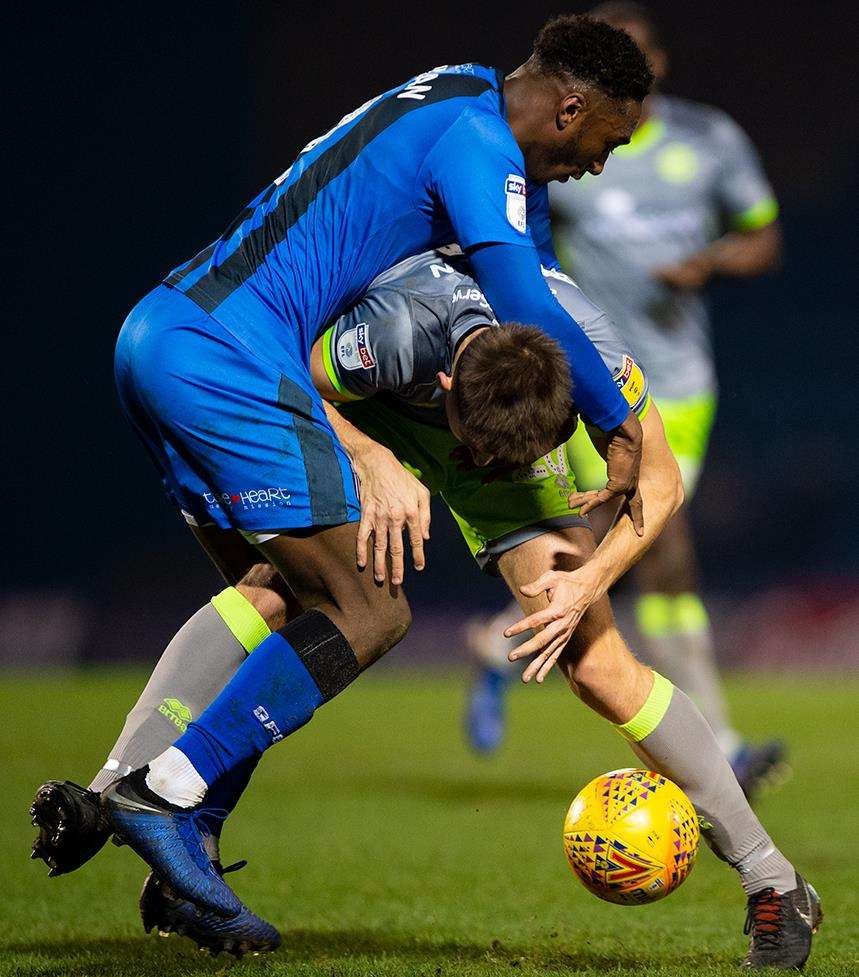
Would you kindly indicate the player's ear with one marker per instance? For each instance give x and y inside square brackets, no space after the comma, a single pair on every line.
[445,381]
[481,458]
[570,110]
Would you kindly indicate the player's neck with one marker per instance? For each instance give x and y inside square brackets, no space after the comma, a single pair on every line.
[523,91]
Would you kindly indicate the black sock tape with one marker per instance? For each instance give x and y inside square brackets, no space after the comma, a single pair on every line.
[324,651]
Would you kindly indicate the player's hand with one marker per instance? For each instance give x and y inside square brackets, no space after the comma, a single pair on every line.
[392,500]
[623,461]
[689,275]
[570,595]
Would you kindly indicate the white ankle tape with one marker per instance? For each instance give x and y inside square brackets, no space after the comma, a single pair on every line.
[173,777]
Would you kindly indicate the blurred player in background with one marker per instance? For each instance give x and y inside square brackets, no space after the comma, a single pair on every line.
[684,202]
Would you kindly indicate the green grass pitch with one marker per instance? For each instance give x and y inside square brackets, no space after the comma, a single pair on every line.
[380,846]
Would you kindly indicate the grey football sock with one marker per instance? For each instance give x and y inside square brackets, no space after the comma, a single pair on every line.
[195,666]
[682,746]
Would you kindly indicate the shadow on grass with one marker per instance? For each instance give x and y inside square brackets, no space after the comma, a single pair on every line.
[471,791]
[325,948]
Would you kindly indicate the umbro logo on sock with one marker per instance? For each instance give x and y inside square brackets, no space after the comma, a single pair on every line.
[266,720]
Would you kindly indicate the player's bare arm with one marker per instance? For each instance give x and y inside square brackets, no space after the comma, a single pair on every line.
[566,595]
[623,450]
[392,501]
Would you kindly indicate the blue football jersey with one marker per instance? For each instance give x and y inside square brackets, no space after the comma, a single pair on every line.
[430,162]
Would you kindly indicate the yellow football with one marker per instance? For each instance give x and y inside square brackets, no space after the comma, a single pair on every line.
[631,836]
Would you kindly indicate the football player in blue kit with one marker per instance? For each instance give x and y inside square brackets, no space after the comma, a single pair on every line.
[212,366]
[214,370]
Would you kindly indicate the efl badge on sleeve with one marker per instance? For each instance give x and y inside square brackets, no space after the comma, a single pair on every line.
[515,191]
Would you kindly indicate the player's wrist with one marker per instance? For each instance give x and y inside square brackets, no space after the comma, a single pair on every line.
[629,429]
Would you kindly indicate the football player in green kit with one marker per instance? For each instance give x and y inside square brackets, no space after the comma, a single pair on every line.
[685,202]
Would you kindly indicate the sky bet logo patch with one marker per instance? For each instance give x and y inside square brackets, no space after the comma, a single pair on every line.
[352,350]
[361,339]
[515,190]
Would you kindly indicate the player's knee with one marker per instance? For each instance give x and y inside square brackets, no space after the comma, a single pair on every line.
[393,621]
[260,575]
[589,676]
[264,588]
[607,676]
[373,628]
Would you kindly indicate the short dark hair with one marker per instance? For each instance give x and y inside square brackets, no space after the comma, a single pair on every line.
[581,47]
[512,390]
[617,12]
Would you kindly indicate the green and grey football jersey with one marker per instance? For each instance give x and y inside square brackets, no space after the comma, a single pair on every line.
[406,329]
[689,174]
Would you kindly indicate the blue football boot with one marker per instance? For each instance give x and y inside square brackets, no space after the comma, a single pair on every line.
[169,839]
[486,716]
[162,910]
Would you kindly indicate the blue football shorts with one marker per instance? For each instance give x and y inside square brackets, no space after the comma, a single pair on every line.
[240,437]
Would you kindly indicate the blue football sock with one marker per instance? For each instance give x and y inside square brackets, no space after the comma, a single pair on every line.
[224,794]
[275,692]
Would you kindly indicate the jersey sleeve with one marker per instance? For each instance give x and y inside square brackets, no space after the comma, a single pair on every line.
[540,224]
[742,188]
[370,348]
[626,369]
[476,172]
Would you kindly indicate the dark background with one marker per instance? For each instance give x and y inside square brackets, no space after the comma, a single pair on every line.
[136,132]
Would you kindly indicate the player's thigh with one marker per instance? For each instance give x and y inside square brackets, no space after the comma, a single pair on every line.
[566,550]
[320,569]
[497,512]
[688,423]
[670,565]
[231,554]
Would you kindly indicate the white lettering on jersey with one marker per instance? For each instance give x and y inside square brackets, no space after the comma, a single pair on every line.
[470,295]
[515,190]
[441,269]
[418,87]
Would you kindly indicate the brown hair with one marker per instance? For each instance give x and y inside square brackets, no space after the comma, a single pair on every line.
[512,392]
